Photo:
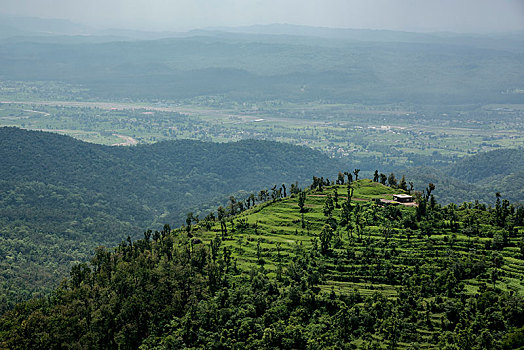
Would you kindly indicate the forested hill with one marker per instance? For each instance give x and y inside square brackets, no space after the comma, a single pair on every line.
[60,197]
[329,267]
[157,174]
[486,165]
[477,177]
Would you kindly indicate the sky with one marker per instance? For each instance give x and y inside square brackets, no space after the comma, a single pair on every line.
[466,16]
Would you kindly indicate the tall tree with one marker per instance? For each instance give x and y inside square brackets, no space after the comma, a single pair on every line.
[376,176]
[301,200]
[402,184]
[350,192]
[189,219]
[325,238]
[328,206]
[232,205]
[221,214]
[392,180]
[383,179]
[340,179]
[429,189]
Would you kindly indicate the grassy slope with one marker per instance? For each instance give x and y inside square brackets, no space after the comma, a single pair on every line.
[278,228]
[280,222]
[387,259]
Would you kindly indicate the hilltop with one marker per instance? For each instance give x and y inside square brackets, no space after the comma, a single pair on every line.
[298,271]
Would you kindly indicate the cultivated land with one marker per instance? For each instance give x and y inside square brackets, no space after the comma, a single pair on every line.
[425,277]
[444,109]
[371,137]
[353,262]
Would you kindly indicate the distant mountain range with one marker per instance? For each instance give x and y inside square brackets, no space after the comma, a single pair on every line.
[273,62]
[16,26]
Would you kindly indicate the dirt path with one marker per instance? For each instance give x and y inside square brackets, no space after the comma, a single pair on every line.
[39,112]
[340,197]
[128,140]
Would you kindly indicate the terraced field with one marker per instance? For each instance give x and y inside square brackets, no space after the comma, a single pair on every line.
[393,253]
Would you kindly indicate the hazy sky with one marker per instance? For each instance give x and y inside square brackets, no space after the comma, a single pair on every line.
[409,15]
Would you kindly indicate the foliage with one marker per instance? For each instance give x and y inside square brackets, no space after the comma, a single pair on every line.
[61,198]
[392,286]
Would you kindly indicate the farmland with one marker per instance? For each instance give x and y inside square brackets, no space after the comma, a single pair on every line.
[270,277]
[371,137]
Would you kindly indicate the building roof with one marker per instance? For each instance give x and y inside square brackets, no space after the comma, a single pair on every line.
[402,196]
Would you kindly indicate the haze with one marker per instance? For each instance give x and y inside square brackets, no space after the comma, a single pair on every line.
[408,15]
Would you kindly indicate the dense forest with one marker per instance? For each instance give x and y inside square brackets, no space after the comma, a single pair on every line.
[333,266]
[476,177]
[60,198]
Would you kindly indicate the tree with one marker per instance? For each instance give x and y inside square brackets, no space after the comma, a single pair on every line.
[317,183]
[402,184]
[340,179]
[383,179]
[251,199]
[376,176]
[350,192]
[345,215]
[392,180]
[325,238]
[209,220]
[350,177]
[295,189]
[429,189]
[232,205]
[274,193]
[221,213]
[263,195]
[301,200]
[328,206]
[189,219]
[356,171]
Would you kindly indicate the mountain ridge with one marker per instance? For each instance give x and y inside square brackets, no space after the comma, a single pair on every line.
[61,192]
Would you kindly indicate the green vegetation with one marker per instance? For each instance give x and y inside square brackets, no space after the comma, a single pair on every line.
[61,198]
[345,273]
[476,178]
[391,137]
[386,101]
[333,266]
